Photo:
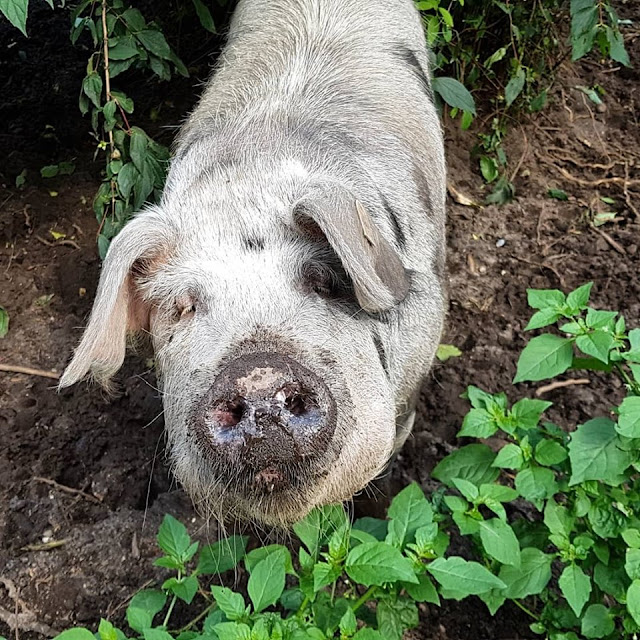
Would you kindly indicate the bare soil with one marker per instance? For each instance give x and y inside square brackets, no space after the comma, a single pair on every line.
[88,471]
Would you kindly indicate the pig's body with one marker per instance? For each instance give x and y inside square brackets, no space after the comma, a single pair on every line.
[292,276]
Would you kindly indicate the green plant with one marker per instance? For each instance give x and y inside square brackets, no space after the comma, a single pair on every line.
[552,519]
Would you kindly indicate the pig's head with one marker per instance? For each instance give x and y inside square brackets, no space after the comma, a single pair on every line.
[264,327]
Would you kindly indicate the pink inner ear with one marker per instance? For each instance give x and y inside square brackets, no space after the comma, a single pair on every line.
[138,310]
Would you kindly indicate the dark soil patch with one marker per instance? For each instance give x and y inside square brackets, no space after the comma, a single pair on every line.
[110,450]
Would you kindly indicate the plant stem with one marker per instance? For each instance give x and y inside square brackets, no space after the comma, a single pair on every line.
[197,619]
[527,611]
[107,86]
[363,598]
[166,618]
[303,606]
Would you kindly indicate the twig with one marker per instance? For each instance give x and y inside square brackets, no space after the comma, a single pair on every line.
[589,183]
[28,371]
[66,489]
[560,384]
[45,546]
[66,242]
[615,245]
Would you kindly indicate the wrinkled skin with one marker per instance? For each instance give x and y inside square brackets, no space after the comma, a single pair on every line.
[291,278]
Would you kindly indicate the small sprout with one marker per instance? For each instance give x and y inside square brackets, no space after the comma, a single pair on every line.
[447,351]
[557,194]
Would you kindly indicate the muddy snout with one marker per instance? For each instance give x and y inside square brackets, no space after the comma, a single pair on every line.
[264,418]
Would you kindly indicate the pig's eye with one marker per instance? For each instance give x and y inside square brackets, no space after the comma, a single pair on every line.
[185,308]
[321,279]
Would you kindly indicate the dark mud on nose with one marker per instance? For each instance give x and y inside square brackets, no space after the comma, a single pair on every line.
[266,423]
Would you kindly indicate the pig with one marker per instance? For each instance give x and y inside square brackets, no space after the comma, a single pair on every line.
[292,277]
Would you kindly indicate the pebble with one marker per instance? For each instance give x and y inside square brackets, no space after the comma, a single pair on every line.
[501,242]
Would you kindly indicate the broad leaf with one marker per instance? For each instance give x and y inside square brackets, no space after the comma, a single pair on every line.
[463,576]
[454,93]
[575,586]
[472,463]
[531,577]
[499,541]
[374,563]
[545,356]
[266,582]
[596,454]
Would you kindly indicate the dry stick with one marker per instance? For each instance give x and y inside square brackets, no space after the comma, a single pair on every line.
[589,183]
[561,384]
[625,189]
[66,489]
[615,245]
[28,371]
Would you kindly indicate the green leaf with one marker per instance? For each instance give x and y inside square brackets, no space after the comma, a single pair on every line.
[394,616]
[230,603]
[348,623]
[266,582]
[79,633]
[463,576]
[184,588]
[531,577]
[143,608]
[478,423]
[545,298]
[536,484]
[499,541]
[123,49]
[629,417]
[4,322]
[557,519]
[454,93]
[545,356]
[472,463]
[478,398]
[612,580]
[596,453]
[325,574]
[527,412]
[424,591]
[156,634]
[577,300]
[173,538]
[222,555]
[138,147]
[633,600]
[514,86]
[445,352]
[15,12]
[509,457]
[466,488]
[549,453]
[542,318]
[617,49]
[232,631]
[154,42]
[597,343]
[260,553]
[92,87]
[597,622]
[632,538]
[204,15]
[375,563]
[134,19]
[488,168]
[497,492]
[632,563]
[575,586]
[409,511]
[373,526]
[107,631]
[558,194]
[316,528]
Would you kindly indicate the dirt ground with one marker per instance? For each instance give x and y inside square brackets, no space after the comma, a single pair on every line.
[89,471]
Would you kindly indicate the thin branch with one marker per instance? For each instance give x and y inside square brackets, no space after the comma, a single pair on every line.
[28,371]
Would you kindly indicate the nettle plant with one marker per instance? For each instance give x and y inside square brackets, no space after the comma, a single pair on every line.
[550,519]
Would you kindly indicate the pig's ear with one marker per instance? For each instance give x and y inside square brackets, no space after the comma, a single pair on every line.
[379,278]
[119,308]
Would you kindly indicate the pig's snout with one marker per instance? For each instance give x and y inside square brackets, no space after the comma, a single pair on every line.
[265,416]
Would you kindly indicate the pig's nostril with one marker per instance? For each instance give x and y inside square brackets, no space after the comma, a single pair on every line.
[230,412]
[294,399]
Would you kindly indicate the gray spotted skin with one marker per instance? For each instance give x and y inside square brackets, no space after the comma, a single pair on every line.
[312,102]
